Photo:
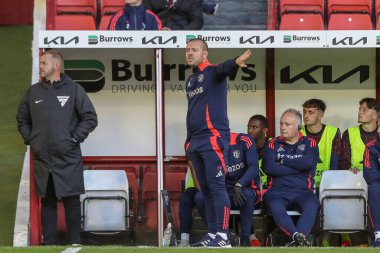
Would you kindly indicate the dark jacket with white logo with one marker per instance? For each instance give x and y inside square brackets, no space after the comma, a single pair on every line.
[185,15]
[243,165]
[291,166]
[135,18]
[54,119]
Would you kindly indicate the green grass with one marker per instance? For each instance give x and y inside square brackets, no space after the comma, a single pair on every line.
[15,77]
[182,250]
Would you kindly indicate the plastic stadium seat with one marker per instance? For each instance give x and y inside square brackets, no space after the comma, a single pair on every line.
[348,21]
[105,203]
[110,7]
[301,14]
[104,21]
[74,22]
[343,197]
[86,7]
[288,6]
[377,11]
[107,9]
[76,15]
[302,21]
[357,6]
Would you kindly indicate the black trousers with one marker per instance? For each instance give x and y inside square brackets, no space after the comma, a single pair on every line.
[49,215]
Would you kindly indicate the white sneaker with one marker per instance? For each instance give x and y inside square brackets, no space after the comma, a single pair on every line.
[184,243]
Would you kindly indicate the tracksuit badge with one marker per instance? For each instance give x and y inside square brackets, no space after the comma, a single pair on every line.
[63,99]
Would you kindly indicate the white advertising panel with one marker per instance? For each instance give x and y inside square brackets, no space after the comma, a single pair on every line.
[124,99]
[215,39]
[340,77]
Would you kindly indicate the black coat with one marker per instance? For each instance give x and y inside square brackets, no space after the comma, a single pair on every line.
[54,119]
[185,15]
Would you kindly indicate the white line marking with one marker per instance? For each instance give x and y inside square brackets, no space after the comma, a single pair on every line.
[72,250]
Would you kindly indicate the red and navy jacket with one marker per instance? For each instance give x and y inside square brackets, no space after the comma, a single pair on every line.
[371,168]
[135,18]
[291,166]
[243,165]
[206,91]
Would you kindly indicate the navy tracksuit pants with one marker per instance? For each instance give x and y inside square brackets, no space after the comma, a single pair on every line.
[209,158]
[303,201]
[374,204]
[191,197]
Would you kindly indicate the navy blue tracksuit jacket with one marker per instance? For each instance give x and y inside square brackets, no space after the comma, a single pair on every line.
[290,169]
[135,18]
[371,173]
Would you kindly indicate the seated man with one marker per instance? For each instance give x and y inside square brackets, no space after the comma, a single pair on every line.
[258,127]
[178,14]
[242,182]
[371,173]
[290,161]
[135,16]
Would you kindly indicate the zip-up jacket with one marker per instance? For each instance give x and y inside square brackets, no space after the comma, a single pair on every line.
[291,166]
[371,169]
[135,18]
[243,165]
[206,91]
[185,14]
[54,119]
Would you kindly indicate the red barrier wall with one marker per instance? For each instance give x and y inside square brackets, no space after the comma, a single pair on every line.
[16,12]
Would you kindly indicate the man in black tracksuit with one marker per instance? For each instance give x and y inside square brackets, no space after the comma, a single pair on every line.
[178,14]
[54,117]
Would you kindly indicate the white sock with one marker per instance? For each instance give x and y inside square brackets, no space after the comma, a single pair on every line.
[212,235]
[252,237]
[185,236]
[377,235]
[223,235]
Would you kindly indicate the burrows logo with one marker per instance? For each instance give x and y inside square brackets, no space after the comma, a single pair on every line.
[287,39]
[88,73]
[301,39]
[214,39]
[94,39]
[190,37]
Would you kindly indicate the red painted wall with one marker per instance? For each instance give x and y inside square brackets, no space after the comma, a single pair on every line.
[16,12]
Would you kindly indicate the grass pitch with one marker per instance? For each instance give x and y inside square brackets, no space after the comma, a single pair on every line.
[15,78]
[180,250]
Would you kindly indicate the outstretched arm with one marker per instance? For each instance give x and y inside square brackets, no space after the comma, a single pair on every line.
[242,58]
